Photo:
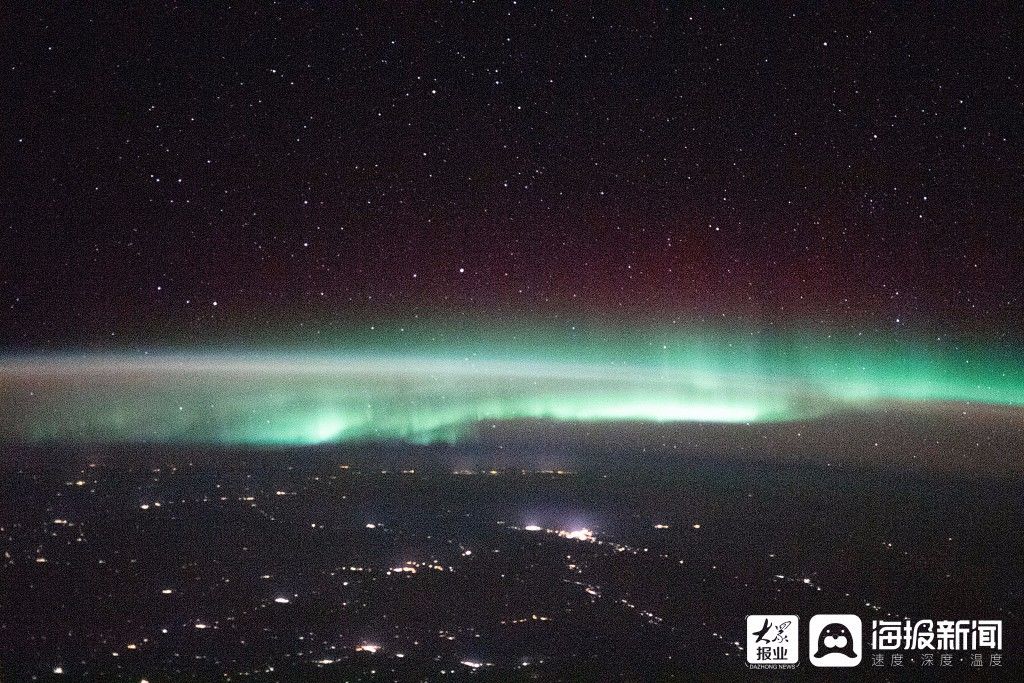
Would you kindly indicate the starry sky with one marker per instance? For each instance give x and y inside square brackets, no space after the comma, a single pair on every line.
[179,173]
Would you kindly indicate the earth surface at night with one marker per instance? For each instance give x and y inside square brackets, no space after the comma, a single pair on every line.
[390,562]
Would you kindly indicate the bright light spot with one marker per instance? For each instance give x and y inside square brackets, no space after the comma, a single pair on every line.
[167,591]
[201,626]
[471,664]
[282,601]
[578,535]
[58,669]
[532,527]
[365,647]
[327,429]
[371,525]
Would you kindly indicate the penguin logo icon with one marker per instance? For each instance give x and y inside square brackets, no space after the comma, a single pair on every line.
[835,640]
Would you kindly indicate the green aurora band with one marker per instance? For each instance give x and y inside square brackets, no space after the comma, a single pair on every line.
[429,391]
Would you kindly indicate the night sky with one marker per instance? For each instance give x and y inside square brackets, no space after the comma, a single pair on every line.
[513,340]
[175,174]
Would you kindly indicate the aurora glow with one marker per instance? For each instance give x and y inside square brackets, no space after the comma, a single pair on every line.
[432,395]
